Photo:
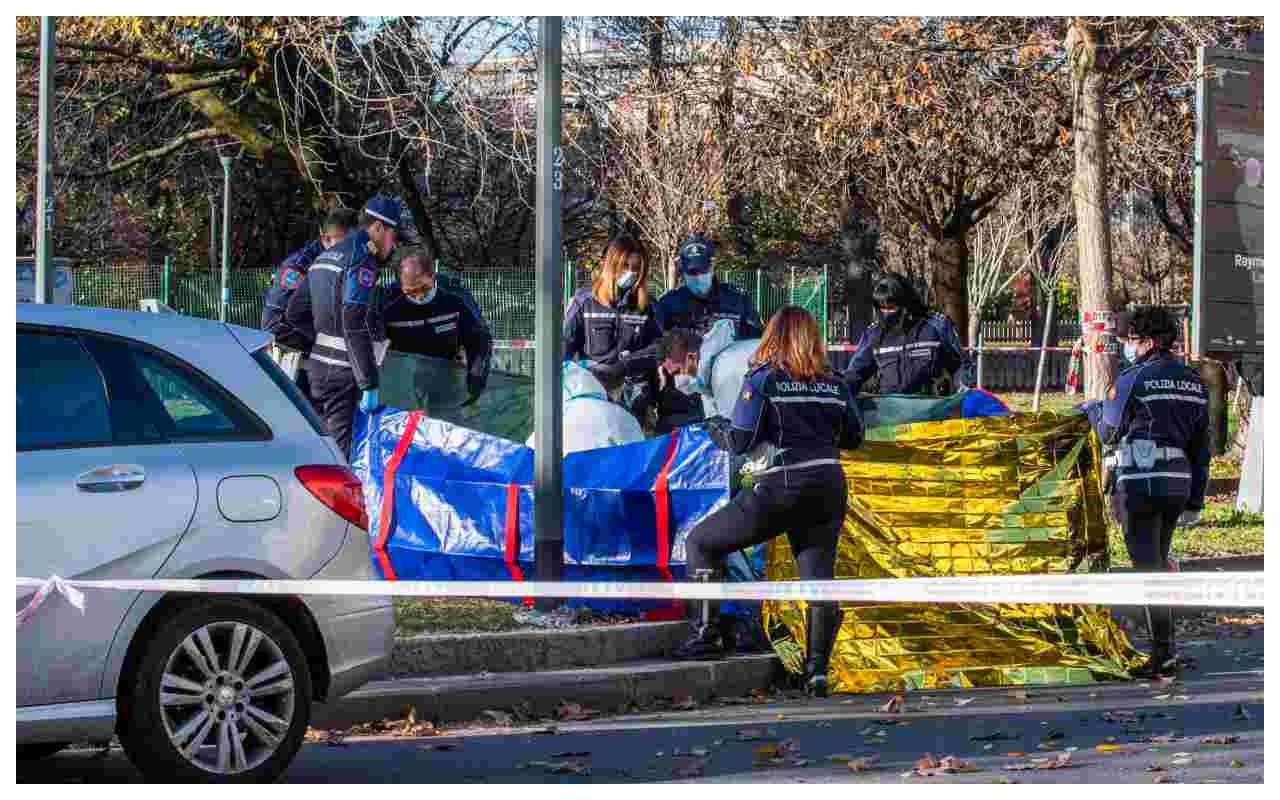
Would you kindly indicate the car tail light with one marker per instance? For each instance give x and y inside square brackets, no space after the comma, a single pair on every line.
[339,489]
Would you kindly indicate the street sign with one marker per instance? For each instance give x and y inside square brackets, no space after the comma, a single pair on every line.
[64,281]
[1227,316]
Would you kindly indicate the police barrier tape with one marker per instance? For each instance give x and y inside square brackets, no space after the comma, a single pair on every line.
[1220,589]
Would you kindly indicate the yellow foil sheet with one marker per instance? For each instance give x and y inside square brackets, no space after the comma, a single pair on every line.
[989,496]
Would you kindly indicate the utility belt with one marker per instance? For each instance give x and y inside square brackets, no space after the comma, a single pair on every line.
[1141,459]
[794,460]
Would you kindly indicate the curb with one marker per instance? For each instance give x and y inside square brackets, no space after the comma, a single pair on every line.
[534,650]
[457,698]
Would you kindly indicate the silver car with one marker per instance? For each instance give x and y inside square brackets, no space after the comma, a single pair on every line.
[163,446]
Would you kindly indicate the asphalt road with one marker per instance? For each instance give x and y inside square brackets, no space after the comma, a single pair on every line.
[792,741]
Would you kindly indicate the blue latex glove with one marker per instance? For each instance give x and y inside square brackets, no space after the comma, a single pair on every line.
[369,401]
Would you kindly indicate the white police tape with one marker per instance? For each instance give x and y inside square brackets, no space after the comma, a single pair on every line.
[1219,589]
[53,584]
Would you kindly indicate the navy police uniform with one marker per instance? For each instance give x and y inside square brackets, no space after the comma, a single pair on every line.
[916,359]
[437,329]
[340,304]
[801,492]
[285,282]
[617,337]
[681,308]
[1154,426]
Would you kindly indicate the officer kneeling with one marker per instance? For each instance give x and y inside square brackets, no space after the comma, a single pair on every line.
[790,400]
[426,319]
[1154,425]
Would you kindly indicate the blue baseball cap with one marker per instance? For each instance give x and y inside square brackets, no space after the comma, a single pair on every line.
[695,255]
[384,208]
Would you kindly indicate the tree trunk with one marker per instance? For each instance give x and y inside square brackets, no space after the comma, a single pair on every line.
[951,278]
[1086,49]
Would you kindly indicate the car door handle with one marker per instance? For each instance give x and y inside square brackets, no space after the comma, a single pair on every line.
[112,478]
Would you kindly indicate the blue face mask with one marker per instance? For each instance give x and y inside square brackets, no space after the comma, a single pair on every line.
[1131,352]
[424,299]
[699,284]
[626,280]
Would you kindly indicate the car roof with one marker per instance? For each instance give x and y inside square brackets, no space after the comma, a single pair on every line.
[173,332]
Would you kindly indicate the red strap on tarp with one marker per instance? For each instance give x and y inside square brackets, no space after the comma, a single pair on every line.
[513,535]
[662,501]
[389,494]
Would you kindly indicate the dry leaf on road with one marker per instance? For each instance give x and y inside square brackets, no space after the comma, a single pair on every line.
[1219,739]
[893,706]
[571,712]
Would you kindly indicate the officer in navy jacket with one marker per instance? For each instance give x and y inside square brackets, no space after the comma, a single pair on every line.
[424,318]
[609,324]
[1154,426]
[338,224]
[700,303]
[339,301]
[704,300]
[912,349]
[792,401]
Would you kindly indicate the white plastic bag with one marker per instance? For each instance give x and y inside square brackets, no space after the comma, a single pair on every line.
[590,420]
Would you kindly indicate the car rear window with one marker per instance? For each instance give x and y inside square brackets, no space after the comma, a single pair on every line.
[291,390]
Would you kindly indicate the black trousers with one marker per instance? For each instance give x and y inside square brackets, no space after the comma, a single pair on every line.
[808,505]
[334,395]
[1148,524]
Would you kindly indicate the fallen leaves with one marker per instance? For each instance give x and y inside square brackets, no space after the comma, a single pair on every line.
[1163,779]
[863,764]
[1236,763]
[928,767]
[894,705]
[964,701]
[1060,761]
[778,754]
[992,737]
[1114,748]
[1219,739]
[572,712]
[407,726]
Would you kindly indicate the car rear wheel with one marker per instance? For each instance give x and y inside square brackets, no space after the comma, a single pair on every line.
[222,694]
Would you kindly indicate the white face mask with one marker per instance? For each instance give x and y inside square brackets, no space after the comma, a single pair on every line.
[1131,351]
[424,299]
[687,384]
[626,280]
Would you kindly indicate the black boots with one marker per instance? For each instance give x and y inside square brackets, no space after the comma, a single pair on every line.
[821,624]
[1162,660]
[708,641]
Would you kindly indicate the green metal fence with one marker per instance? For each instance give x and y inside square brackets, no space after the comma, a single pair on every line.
[506,295]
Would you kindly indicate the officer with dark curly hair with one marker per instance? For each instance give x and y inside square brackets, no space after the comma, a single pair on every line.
[1154,426]
[911,349]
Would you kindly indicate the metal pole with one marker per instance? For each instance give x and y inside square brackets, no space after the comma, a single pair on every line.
[213,232]
[226,236]
[1044,342]
[44,198]
[548,466]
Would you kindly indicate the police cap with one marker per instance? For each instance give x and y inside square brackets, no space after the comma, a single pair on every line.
[695,255]
[385,209]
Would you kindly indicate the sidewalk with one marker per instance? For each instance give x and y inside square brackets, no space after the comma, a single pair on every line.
[457,698]
[457,677]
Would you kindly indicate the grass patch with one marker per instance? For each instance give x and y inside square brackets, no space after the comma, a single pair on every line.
[1223,532]
[454,615]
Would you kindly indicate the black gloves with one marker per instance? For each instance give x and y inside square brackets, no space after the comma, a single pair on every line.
[718,429]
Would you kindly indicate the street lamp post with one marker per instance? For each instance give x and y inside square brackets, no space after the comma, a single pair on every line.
[226,236]
[44,199]
[548,463]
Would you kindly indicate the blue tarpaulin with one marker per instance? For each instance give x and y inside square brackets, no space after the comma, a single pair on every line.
[462,503]
[454,488]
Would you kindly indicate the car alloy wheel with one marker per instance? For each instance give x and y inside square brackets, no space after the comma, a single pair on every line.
[227,697]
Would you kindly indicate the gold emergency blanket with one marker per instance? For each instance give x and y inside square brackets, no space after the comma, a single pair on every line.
[1010,495]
